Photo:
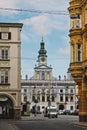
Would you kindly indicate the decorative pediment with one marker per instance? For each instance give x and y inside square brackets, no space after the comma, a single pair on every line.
[42,67]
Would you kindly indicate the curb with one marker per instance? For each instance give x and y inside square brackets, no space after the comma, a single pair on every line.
[84,124]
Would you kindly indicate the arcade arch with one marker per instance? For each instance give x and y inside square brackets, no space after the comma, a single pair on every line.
[61,107]
[7,104]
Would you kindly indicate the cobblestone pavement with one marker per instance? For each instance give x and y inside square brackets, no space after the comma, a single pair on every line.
[10,124]
[7,125]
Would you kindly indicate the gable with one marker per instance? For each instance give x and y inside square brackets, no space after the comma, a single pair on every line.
[43,67]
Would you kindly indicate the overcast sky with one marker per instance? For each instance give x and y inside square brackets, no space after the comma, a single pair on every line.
[53,27]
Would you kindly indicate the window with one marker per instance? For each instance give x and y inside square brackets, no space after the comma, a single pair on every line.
[71,107]
[72,52]
[43,75]
[4,76]
[66,98]
[48,98]
[61,98]
[75,18]
[48,75]
[5,35]
[43,98]
[4,53]
[25,98]
[72,26]
[25,90]
[61,90]
[71,98]
[38,98]
[37,76]
[79,54]
[53,99]
[71,91]
[78,21]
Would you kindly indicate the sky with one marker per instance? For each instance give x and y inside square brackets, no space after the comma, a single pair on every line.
[39,19]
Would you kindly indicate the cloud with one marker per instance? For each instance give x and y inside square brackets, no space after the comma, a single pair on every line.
[44,24]
[47,4]
[39,24]
[50,5]
[8,4]
[64,51]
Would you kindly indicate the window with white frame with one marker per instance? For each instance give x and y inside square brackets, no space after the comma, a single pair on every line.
[5,35]
[4,76]
[4,53]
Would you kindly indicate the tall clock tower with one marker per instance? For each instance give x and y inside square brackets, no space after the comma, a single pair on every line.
[42,57]
[42,71]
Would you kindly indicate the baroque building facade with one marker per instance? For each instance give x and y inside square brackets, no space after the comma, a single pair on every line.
[78,45]
[43,89]
[10,70]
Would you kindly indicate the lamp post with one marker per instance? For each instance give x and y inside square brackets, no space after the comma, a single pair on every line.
[36,101]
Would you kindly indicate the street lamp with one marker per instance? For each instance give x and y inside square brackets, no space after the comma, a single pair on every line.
[36,101]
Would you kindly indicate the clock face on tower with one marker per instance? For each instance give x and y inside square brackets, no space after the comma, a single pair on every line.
[43,59]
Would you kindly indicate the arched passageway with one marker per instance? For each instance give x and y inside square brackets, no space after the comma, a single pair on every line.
[61,107]
[6,107]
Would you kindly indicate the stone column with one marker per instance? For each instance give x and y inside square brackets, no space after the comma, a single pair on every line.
[17,113]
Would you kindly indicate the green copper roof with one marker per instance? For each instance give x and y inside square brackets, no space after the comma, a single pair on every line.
[42,51]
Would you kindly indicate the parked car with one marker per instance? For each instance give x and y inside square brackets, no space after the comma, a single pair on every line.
[60,112]
[67,112]
[51,112]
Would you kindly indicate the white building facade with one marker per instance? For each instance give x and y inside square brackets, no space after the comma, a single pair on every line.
[42,89]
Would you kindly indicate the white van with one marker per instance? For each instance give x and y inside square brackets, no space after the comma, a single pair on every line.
[50,111]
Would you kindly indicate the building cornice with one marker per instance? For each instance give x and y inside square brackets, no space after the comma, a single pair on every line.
[11,25]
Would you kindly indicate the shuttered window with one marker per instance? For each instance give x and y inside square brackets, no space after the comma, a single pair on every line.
[5,35]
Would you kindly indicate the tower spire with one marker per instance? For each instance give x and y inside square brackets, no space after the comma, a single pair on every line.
[42,51]
[42,57]
[42,37]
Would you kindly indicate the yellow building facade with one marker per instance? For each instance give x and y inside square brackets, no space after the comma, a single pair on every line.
[78,51]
